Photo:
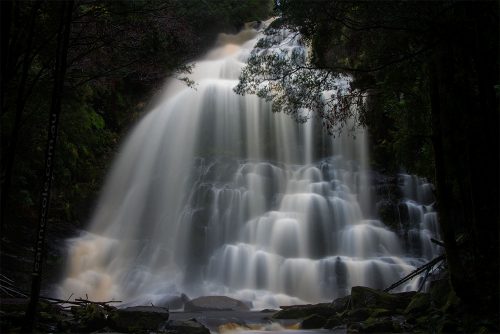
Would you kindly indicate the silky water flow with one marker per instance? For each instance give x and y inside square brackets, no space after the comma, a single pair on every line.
[213,194]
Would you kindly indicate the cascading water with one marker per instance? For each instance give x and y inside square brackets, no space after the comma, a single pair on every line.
[212,193]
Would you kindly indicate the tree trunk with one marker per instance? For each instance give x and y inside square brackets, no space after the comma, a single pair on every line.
[55,110]
[9,150]
[463,74]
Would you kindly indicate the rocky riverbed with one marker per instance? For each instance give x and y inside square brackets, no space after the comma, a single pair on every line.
[366,310]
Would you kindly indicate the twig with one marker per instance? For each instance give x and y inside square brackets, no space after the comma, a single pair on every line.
[437,242]
[98,303]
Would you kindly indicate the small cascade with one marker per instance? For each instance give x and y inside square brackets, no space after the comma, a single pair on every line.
[418,218]
[213,194]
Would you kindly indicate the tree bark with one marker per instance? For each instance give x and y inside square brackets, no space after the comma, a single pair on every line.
[463,73]
[10,150]
[55,110]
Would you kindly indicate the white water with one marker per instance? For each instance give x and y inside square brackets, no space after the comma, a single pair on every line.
[212,194]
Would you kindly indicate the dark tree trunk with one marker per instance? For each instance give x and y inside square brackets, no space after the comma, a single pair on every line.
[463,74]
[55,110]
[10,149]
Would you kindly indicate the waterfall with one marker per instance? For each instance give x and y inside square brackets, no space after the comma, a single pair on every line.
[212,193]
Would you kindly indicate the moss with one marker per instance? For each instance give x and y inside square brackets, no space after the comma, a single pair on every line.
[334,321]
[312,322]
[380,312]
[372,298]
[359,314]
[380,325]
[439,291]
[419,303]
[303,311]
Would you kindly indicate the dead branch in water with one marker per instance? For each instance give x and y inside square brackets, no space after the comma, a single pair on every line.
[417,271]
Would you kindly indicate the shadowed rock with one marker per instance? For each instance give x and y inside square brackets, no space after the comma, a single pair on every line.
[139,318]
[190,326]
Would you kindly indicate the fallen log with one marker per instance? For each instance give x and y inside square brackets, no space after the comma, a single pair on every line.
[416,272]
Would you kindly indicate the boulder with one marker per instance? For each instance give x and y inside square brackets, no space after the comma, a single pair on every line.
[380,325]
[139,318]
[334,321]
[303,311]
[190,326]
[440,291]
[359,314]
[215,303]
[371,298]
[340,304]
[420,303]
[312,322]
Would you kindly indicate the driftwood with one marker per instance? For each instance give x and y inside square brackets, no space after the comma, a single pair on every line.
[8,287]
[426,267]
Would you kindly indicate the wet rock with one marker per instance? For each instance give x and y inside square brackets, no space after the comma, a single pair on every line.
[340,304]
[420,303]
[215,303]
[312,322]
[190,326]
[138,318]
[380,312]
[380,325]
[388,213]
[440,291]
[359,314]
[268,310]
[303,311]
[354,327]
[334,321]
[371,298]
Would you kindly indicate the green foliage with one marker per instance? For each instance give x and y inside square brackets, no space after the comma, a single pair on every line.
[370,55]
[279,70]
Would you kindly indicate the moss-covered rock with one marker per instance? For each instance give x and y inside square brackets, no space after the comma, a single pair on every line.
[138,318]
[380,325]
[439,291]
[303,311]
[334,321]
[380,312]
[358,314]
[339,305]
[420,303]
[312,322]
[371,298]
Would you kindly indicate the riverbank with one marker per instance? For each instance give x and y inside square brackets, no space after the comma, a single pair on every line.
[366,310]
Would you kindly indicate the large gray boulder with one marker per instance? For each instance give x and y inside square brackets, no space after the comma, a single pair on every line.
[215,303]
